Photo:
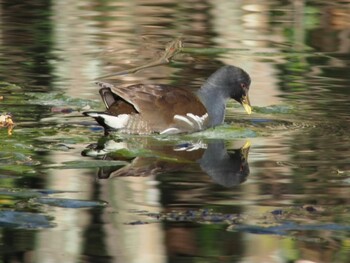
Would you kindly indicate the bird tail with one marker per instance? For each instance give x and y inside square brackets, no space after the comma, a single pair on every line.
[100,119]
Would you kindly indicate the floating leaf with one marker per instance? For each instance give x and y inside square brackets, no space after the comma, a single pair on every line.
[19,193]
[6,121]
[89,164]
[283,229]
[274,109]
[70,203]
[25,220]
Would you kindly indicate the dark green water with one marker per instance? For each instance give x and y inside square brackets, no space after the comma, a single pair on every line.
[69,195]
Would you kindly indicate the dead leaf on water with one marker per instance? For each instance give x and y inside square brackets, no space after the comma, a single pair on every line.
[6,121]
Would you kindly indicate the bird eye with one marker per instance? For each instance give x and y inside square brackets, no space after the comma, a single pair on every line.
[244,86]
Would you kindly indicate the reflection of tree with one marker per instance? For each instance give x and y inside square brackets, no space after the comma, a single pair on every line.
[315,83]
[27,43]
[305,74]
[320,154]
[17,245]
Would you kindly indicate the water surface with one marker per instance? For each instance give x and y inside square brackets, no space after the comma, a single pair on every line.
[269,187]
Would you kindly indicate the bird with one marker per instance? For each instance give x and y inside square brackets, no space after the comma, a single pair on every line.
[165,109]
[226,167]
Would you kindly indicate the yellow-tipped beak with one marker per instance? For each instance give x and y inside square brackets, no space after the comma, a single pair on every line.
[246,145]
[246,104]
[245,149]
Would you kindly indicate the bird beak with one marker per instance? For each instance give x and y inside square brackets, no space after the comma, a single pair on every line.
[246,104]
[245,149]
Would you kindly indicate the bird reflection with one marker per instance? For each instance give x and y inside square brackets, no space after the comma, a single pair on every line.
[148,157]
[227,168]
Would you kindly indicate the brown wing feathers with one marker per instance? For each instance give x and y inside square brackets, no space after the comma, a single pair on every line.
[115,104]
[167,99]
[156,104]
[107,97]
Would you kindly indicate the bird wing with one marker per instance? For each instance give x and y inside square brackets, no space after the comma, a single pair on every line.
[165,107]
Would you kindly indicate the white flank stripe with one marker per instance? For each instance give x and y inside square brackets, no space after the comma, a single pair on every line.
[195,119]
[170,131]
[184,119]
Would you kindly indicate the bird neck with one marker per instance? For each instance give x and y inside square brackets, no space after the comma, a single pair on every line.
[214,102]
[214,153]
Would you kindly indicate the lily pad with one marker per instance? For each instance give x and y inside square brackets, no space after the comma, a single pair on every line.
[6,86]
[88,164]
[60,100]
[15,219]
[274,109]
[70,203]
[19,194]
[27,193]
[225,132]
[284,228]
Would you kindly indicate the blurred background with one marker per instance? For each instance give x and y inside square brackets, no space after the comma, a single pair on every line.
[58,206]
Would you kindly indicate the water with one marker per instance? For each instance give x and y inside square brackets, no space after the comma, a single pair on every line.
[269,187]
